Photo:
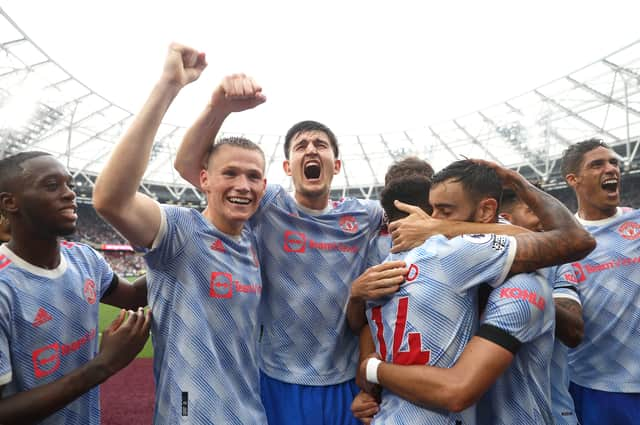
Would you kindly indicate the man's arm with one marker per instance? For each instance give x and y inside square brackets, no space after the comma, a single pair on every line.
[418,226]
[136,216]
[365,404]
[564,240]
[120,344]
[453,389]
[367,347]
[569,322]
[127,295]
[235,93]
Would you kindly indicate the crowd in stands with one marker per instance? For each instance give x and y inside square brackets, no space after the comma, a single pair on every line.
[93,231]
[91,228]
[125,263]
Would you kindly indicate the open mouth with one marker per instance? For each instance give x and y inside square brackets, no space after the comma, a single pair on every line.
[239,201]
[312,170]
[610,185]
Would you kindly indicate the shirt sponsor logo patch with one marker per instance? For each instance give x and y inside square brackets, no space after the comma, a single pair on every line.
[294,241]
[222,285]
[46,360]
[523,294]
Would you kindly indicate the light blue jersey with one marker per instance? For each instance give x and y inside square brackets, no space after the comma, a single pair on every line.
[563,280]
[434,314]
[204,290]
[308,260]
[608,281]
[520,316]
[49,324]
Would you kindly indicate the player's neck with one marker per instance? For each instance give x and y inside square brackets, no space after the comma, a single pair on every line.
[317,203]
[233,229]
[38,251]
[593,213]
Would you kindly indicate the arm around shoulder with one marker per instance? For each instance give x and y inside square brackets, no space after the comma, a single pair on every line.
[453,389]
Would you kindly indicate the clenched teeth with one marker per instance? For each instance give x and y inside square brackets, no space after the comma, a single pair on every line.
[242,201]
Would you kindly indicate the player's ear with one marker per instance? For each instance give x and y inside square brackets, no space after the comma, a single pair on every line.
[337,165]
[487,211]
[286,166]
[8,202]
[571,179]
[264,187]
[204,179]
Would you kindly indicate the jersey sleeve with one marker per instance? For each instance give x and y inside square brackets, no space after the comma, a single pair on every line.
[175,230]
[5,338]
[470,260]
[376,216]
[564,280]
[378,248]
[515,312]
[271,193]
[103,273]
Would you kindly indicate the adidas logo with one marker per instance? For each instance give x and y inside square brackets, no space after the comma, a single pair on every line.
[42,317]
[218,246]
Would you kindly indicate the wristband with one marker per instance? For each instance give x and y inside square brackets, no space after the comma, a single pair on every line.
[372,370]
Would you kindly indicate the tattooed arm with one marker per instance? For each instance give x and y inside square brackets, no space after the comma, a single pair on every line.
[564,239]
[569,323]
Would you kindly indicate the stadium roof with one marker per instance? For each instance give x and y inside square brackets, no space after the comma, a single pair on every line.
[43,107]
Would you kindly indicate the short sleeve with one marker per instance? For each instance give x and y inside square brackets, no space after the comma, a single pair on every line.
[470,260]
[271,193]
[564,279]
[104,272]
[176,227]
[518,307]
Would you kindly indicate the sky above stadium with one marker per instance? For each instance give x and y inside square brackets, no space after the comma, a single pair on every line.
[361,67]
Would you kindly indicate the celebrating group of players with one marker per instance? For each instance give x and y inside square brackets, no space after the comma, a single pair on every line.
[427,307]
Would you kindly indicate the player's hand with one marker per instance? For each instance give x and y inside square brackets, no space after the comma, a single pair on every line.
[379,280]
[413,230]
[237,93]
[183,65]
[124,339]
[367,386]
[509,178]
[364,407]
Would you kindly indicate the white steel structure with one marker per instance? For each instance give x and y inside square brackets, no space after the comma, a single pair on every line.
[43,107]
